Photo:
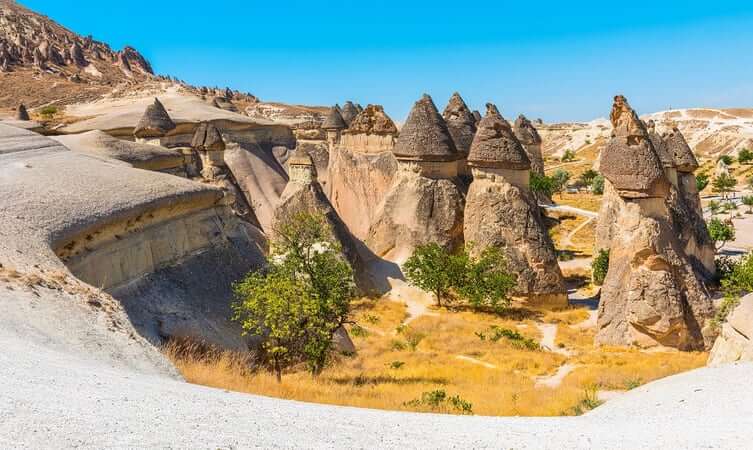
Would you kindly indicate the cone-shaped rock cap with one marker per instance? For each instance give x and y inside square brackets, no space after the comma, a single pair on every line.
[424,136]
[208,138]
[461,123]
[665,156]
[301,158]
[525,131]
[349,112]
[495,144]
[155,122]
[334,120]
[477,116]
[22,113]
[678,147]
[359,108]
[629,161]
[372,120]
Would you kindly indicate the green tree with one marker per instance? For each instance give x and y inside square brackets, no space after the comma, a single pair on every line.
[748,201]
[740,279]
[559,180]
[701,181]
[745,156]
[714,207]
[435,270]
[486,281]
[587,177]
[568,156]
[597,186]
[300,299]
[599,267]
[724,184]
[541,184]
[721,231]
[727,159]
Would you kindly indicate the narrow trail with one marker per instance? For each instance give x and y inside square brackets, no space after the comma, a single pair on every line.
[567,241]
[555,380]
[475,361]
[416,300]
[549,334]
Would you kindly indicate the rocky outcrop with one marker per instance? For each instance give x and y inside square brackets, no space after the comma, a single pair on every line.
[502,212]
[529,137]
[362,168]
[735,342]
[651,295]
[462,127]
[154,124]
[304,194]
[22,113]
[333,125]
[425,202]
[349,112]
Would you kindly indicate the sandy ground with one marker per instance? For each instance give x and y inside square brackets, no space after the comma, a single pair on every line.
[51,399]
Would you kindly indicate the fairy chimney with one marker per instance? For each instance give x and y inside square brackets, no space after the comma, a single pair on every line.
[425,202]
[462,126]
[529,137]
[425,144]
[301,168]
[207,141]
[333,125]
[349,112]
[651,294]
[502,212]
[22,113]
[154,124]
[370,132]
[666,158]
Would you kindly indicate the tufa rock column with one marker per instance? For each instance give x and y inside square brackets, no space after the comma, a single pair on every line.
[529,137]
[501,211]
[208,142]
[349,112]
[462,126]
[333,125]
[651,295]
[22,114]
[425,202]
[154,124]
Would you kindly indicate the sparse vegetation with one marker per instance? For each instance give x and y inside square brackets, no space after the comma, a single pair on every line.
[726,159]
[597,185]
[724,184]
[745,156]
[48,112]
[721,231]
[541,184]
[438,401]
[297,303]
[599,267]
[701,181]
[568,156]
[560,178]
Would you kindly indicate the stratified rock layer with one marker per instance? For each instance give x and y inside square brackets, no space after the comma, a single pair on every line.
[735,343]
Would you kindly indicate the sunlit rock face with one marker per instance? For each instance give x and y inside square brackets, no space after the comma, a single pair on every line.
[651,295]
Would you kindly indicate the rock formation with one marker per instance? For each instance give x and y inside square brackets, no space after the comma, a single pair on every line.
[684,201]
[501,211]
[154,124]
[651,295]
[304,194]
[207,140]
[362,167]
[529,137]
[333,125]
[349,112]
[22,113]
[735,342]
[462,126]
[425,202]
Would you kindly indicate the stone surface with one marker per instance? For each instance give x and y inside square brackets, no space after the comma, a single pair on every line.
[461,123]
[735,343]
[495,144]
[424,135]
[531,141]
[22,113]
[349,112]
[155,122]
[334,121]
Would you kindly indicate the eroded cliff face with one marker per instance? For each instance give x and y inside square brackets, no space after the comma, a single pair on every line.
[358,182]
[735,342]
[499,214]
[651,295]
[417,210]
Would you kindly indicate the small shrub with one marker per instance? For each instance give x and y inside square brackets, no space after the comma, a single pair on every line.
[589,400]
[597,186]
[727,159]
[48,112]
[633,383]
[568,156]
[372,319]
[721,231]
[413,338]
[358,331]
[516,339]
[701,181]
[397,345]
[396,365]
[438,400]
[600,267]
[745,156]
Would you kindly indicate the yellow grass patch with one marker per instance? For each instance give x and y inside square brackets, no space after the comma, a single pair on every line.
[453,351]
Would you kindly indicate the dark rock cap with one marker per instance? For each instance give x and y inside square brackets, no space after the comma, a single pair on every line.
[665,156]
[629,161]
[477,116]
[495,144]
[208,138]
[526,132]
[349,112]
[424,136]
[461,123]
[155,122]
[301,158]
[22,113]
[334,120]
[678,147]
[372,120]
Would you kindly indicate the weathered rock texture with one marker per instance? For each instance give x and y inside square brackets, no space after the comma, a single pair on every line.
[22,113]
[155,122]
[529,137]
[462,127]
[362,168]
[502,212]
[304,194]
[651,295]
[735,343]
[349,112]
[425,202]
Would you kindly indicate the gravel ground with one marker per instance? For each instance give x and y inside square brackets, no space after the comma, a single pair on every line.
[53,399]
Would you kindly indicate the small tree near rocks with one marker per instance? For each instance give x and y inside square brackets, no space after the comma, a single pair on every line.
[599,267]
[721,231]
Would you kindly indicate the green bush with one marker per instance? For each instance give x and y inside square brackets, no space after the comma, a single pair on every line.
[599,267]
[597,186]
[745,156]
[541,184]
[727,159]
[495,333]
[48,112]
[721,231]
[568,156]
[701,181]
[438,400]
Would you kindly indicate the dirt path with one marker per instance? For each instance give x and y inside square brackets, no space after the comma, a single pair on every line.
[475,361]
[556,379]
[416,300]
[548,336]
[567,241]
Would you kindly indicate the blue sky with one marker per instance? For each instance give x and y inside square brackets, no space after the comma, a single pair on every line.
[551,59]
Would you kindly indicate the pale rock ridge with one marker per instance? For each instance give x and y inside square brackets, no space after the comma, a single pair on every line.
[502,212]
[651,295]
[735,342]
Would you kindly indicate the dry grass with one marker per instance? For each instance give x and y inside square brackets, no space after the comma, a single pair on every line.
[582,200]
[396,365]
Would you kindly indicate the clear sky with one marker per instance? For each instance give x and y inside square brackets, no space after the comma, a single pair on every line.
[553,59]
